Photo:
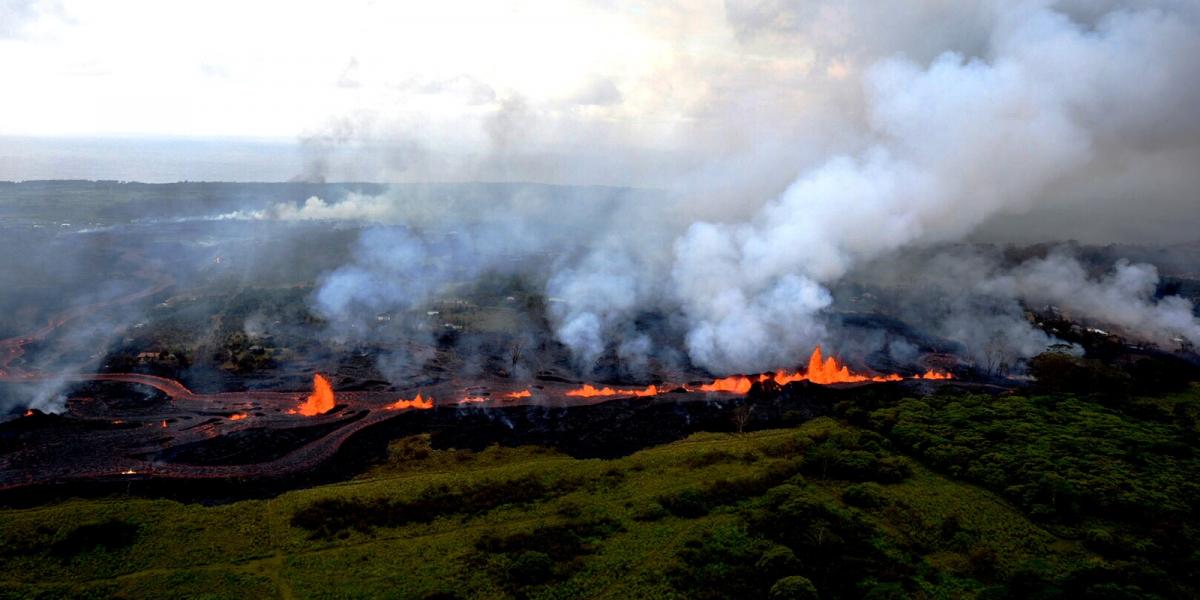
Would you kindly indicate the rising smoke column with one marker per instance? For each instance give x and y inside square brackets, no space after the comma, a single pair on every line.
[1122,298]
[955,142]
[1040,98]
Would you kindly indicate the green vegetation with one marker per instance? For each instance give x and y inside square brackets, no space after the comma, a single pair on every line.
[1122,475]
[941,497]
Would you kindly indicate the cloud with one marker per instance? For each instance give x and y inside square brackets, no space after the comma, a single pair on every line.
[598,92]
[16,15]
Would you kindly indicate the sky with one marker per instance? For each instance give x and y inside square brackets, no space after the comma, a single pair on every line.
[275,69]
[444,85]
[731,99]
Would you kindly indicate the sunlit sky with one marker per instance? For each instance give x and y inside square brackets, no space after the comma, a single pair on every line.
[277,69]
[449,86]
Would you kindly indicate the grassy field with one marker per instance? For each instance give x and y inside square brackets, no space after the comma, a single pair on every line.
[441,524]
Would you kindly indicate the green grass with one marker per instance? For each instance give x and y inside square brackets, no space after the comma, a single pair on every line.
[629,547]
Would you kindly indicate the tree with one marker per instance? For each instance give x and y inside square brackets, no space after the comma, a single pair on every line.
[741,416]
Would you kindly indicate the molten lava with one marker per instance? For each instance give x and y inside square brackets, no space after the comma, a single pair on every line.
[418,403]
[737,384]
[590,391]
[320,401]
[29,412]
[830,371]
[519,395]
[820,370]
[237,416]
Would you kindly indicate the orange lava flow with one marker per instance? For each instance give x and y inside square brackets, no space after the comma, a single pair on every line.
[320,401]
[418,403]
[590,391]
[29,413]
[520,394]
[236,416]
[820,370]
[737,384]
[163,424]
[830,371]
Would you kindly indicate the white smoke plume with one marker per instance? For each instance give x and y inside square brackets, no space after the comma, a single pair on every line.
[914,126]
[955,142]
[1122,298]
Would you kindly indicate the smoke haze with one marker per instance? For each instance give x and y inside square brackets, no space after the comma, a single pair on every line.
[747,178]
[1017,112]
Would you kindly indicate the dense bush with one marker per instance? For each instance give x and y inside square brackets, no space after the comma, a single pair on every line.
[776,562]
[333,516]
[854,458]
[864,495]
[1058,372]
[784,533]
[794,587]
[1060,457]
[530,567]
[697,502]
[1063,373]
[722,564]
[1120,474]
[112,534]
[547,553]
[825,538]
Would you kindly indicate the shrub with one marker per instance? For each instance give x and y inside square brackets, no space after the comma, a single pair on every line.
[886,591]
[333,516]
[778,561]
[793,587]
[721,564]
[652,511]
[690,503]
[830,461]
[864,495]
[112,534]
[982,560]
[709,458]
[530,567]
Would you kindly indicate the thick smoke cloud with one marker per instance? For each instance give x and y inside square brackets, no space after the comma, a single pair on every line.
[1122,298]
[956,142]
[921,125]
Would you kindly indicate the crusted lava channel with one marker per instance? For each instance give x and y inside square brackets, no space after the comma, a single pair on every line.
[183,436]
[127,429]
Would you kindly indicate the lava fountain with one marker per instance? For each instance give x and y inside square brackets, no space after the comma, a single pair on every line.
[320,401]
[591,391]
[418,403]
[826,371]
[820,370]
[736,384]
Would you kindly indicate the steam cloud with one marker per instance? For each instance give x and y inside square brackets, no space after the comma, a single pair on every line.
[1035,100]
[955,143]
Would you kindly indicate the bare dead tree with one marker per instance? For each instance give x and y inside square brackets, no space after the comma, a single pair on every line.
[994,353]
[741,416]
[514,352]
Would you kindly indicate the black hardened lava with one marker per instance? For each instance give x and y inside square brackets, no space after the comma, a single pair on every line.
[604,430]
